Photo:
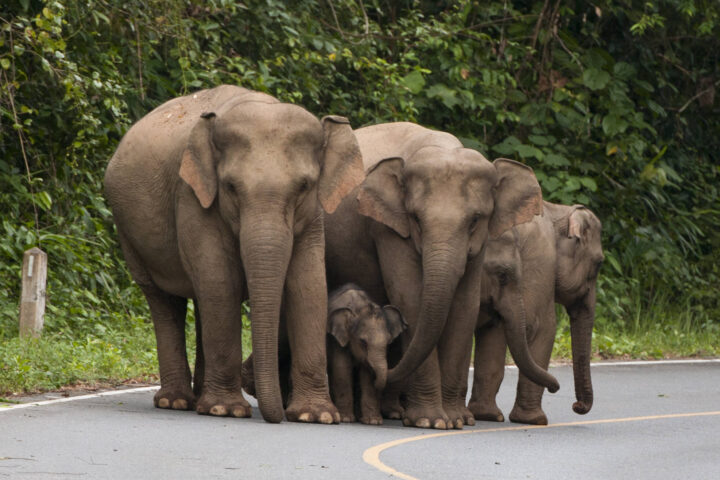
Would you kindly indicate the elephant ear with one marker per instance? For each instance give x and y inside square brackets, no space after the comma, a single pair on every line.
[339,325]
[342,168]
[198,166]
[577,222]
[381,195]
[518,197]
[396,323]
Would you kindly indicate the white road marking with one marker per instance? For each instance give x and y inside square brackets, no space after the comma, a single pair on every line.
[8,407]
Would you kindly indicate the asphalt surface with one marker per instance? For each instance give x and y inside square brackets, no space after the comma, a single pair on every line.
[649,421]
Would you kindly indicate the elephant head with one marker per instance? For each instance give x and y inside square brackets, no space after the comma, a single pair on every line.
[447,201]
[367,330]
[510,273]
[578,234]
[269,166]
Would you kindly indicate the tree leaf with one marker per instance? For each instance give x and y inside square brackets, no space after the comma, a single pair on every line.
[414,81]
[595,79]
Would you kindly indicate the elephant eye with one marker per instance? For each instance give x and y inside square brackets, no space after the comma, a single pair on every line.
[304,185]
[474,221]
[230,188]
[416,219]
[363,343]
[504,276]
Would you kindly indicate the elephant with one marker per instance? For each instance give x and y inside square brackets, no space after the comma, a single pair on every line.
[554,258]
[359,332]
[412,235]
[218,197]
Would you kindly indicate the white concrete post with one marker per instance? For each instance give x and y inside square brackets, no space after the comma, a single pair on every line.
[32,298]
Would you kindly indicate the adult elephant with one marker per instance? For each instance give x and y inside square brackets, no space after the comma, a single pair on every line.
[217,197]
[554,258]
[411,235]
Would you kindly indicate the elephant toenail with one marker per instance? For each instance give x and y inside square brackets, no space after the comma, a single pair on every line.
[337,417]
[326,418]
[458,424]
[304,417]
[423,423]
[180,404]
[163,403]
[439,424]
[241,412]
[218,410]
[470,421]
[407,422]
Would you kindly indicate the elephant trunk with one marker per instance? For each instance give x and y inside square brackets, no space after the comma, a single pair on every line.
[516,337]
[582,318]
[266,247]
[443,264]
[377,361]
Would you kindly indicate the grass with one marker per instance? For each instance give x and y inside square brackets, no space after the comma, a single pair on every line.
[110,357]
[664,331]
[57,360]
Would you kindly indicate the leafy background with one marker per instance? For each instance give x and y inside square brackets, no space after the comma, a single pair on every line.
[612,103]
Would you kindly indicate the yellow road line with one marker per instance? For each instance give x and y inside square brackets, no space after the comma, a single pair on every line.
[371,456]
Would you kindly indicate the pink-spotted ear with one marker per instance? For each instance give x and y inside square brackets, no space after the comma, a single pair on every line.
[381,195]
[342,168]
[518,197]
[197,168]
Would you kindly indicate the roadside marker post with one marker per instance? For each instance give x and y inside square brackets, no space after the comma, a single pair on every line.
[32,296]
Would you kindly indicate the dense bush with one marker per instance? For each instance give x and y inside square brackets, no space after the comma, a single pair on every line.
[612,103]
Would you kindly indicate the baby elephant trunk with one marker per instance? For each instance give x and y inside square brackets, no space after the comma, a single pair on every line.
[378,364]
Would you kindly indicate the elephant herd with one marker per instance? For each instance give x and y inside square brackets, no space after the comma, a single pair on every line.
[371,259]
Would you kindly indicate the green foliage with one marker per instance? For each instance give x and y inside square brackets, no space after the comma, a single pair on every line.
[612,104]
[56,360]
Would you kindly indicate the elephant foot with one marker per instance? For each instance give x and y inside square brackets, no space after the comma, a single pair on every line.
[534,416]
[174,398]
[371,419]
[459,416]
[391,408]
[426,417]
[486,413]
[347,416]
[227,405]
[316,411]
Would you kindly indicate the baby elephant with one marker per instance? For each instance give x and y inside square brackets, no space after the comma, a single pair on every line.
[359,332]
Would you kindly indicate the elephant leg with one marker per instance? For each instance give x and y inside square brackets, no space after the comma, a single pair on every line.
[402,276]
[305,310]
[455,346]
[222,353]
[199,373]
[489,369]
[168,314]
[369,399]
[248,375]
[340,376]
[528,400]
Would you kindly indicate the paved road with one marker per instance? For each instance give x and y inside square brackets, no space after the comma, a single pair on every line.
[659,421]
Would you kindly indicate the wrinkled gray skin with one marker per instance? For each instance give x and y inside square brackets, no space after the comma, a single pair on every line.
[411,235]
[217,198]
[359,333]
[564,245]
